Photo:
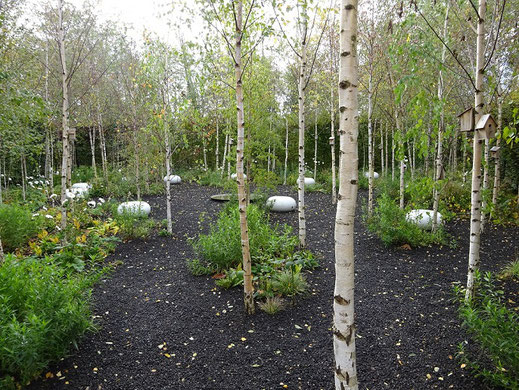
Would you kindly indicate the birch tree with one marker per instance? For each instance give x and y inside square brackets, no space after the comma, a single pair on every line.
[344,331]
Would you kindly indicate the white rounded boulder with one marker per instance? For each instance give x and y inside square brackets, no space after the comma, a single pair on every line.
[173,179]
[375,175]
[234,176]
[423,218]
[309,181]
[281,204]
[134,207]
[80,190]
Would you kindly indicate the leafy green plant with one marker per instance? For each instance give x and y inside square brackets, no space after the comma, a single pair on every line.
[272,305]
[233,277]
[42,315]
[290,282]
[389,223]
[134,226]
[222,246]
[197,268]
[17,226]
[495,330]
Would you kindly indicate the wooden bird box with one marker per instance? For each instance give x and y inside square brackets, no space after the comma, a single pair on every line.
[486,126]
[494,150]
[331,140]
[72,134]
[467,120]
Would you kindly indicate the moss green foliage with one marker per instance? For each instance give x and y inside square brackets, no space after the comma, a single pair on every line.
[42,315]
[289,282]
[389,223]
[197,268]
[495,329]
[221,248]
[17,226]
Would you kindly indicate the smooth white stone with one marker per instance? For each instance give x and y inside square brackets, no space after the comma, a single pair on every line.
[375,175]
[173,179]
[91,203]
[423,218]
[134,207]
[234,176]
[309,181]
[86,186]
[281,204]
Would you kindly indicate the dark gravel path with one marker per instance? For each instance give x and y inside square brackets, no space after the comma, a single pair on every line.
[162,328]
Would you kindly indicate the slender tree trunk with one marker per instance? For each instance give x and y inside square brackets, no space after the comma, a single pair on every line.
[137,158]
[464,157]
[497,173]
[273,158]
[65,107]
[402,186]
[485,183]
[392,155]
[344,329]
[315,146]
[427,153]
[371,154]
[332,136]
[301,98]
[268,158]
[24,175]
[1,252]
[226,147]
[204,149]
[92,138]
[102,144]
[475,211]
[70,160]
[217,153]
[248,289]
[286,153]
[441,126]
[168,173]
[386,154]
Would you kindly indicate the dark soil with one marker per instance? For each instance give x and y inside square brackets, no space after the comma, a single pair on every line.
[162,328]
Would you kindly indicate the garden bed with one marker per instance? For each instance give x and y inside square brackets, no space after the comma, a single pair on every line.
[163,328]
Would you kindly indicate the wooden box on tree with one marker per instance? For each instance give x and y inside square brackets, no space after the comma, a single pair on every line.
[486,127]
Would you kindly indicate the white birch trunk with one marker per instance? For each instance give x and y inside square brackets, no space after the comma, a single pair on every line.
[301,100]
[382,169]
[226,147]
[332,137]
[441,125]
[344,328]
[168,173]
[402,184]
[286,154]
[92,139]
[475,210]
[64,112]
[392,155]
[370,140]
[315,147]
[1,252]
[217,153]
[485,183]
[248,289]
[497,160]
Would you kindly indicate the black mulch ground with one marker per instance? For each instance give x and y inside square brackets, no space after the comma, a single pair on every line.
[162,328]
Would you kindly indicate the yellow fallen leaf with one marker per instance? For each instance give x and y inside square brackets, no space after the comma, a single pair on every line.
[463,365]
[243,339]
[167,355]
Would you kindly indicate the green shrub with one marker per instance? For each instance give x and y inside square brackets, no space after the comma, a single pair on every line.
[495,329]
[419,193]
[389,223]
[133,226]
[42,315]
[17,226]
[221,248]
[233,277]
[290,282]
[197,268]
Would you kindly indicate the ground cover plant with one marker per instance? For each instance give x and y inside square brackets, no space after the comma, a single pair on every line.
[277,265]
[494,327]
[46,281]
